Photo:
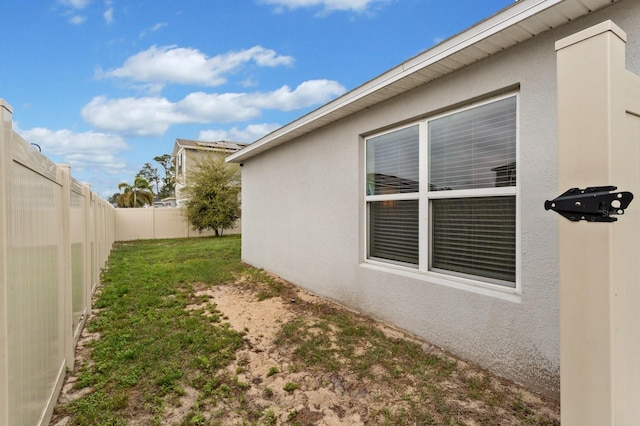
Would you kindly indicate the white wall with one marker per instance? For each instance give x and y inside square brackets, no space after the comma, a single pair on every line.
[303,215]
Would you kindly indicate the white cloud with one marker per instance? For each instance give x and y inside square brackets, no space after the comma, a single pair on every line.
[71,10]
[226,107]
[83,151]
[153,29]
[138,116]
[172,64]
[152,116]
[108,13]
[249,134]
[75,4]
[214,135]
[326,5]
[309,93]
[77,19]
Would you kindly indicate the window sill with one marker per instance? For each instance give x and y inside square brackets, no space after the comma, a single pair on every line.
[492,290]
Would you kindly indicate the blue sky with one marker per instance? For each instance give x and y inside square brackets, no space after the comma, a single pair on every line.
[107,85]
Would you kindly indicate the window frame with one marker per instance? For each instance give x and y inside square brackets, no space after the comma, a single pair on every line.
[402,196]
[423,270]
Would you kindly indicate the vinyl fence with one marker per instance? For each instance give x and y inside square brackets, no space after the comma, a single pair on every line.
[55,236]
[599,144]
[155,223]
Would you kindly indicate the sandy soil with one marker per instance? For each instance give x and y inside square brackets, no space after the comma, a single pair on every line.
[330,399]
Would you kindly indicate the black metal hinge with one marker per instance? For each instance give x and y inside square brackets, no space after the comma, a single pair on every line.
[593,204]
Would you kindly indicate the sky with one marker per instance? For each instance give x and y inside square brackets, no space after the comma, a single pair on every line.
[107,85]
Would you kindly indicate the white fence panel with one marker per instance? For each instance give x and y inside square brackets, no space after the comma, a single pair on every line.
[157,223]
[55,236]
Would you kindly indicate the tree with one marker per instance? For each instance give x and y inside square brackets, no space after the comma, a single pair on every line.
[150,173]
[212,192]
[156,185]
[137,195]
[162,186]
[168,188]
[113,200]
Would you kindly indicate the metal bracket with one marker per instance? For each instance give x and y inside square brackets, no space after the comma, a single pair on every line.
[593,204]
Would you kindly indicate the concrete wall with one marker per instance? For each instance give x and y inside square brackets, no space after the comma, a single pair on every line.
[55,236]
[156,223]
[303,216]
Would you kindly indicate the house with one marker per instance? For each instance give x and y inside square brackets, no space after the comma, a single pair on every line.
[166,202]
[188,153]
[416,198]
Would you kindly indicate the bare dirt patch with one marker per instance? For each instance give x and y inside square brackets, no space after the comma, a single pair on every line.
[279,386]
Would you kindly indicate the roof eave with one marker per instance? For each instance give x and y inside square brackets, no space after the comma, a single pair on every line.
[416,71]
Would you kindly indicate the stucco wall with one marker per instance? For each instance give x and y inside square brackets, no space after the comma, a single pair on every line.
[303,216]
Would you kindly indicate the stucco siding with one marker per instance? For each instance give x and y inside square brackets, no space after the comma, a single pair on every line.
[303,215]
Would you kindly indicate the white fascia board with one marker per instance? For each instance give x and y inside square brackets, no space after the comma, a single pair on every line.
[511,15]
[508,17]
[177,146]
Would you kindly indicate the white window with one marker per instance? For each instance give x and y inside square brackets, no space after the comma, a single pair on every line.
[441,194]
[179,163]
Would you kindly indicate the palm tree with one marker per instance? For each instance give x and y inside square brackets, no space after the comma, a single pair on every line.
[136,195]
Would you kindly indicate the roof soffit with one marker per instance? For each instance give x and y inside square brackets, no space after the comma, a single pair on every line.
[515,24]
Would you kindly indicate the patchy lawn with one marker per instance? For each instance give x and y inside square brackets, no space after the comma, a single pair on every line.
[184,334]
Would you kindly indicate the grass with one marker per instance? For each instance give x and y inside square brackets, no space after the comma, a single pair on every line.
[290,387]
[150,345]
[152,350]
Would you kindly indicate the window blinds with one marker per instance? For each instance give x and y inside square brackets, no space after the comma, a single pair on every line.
[393,230]
[393,169]
[392,162]
[474,148]
[475,236]
[471,232]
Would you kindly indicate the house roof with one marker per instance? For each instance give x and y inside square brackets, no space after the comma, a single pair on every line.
[515,24]
[223,145]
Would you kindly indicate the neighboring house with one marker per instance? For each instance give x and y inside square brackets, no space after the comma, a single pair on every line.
[417,198]
[188,153]
[166,202]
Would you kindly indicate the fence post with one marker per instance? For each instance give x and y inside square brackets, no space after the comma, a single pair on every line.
[64,172]
[94,242]
[86,208]
[599,264]
[6,114]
